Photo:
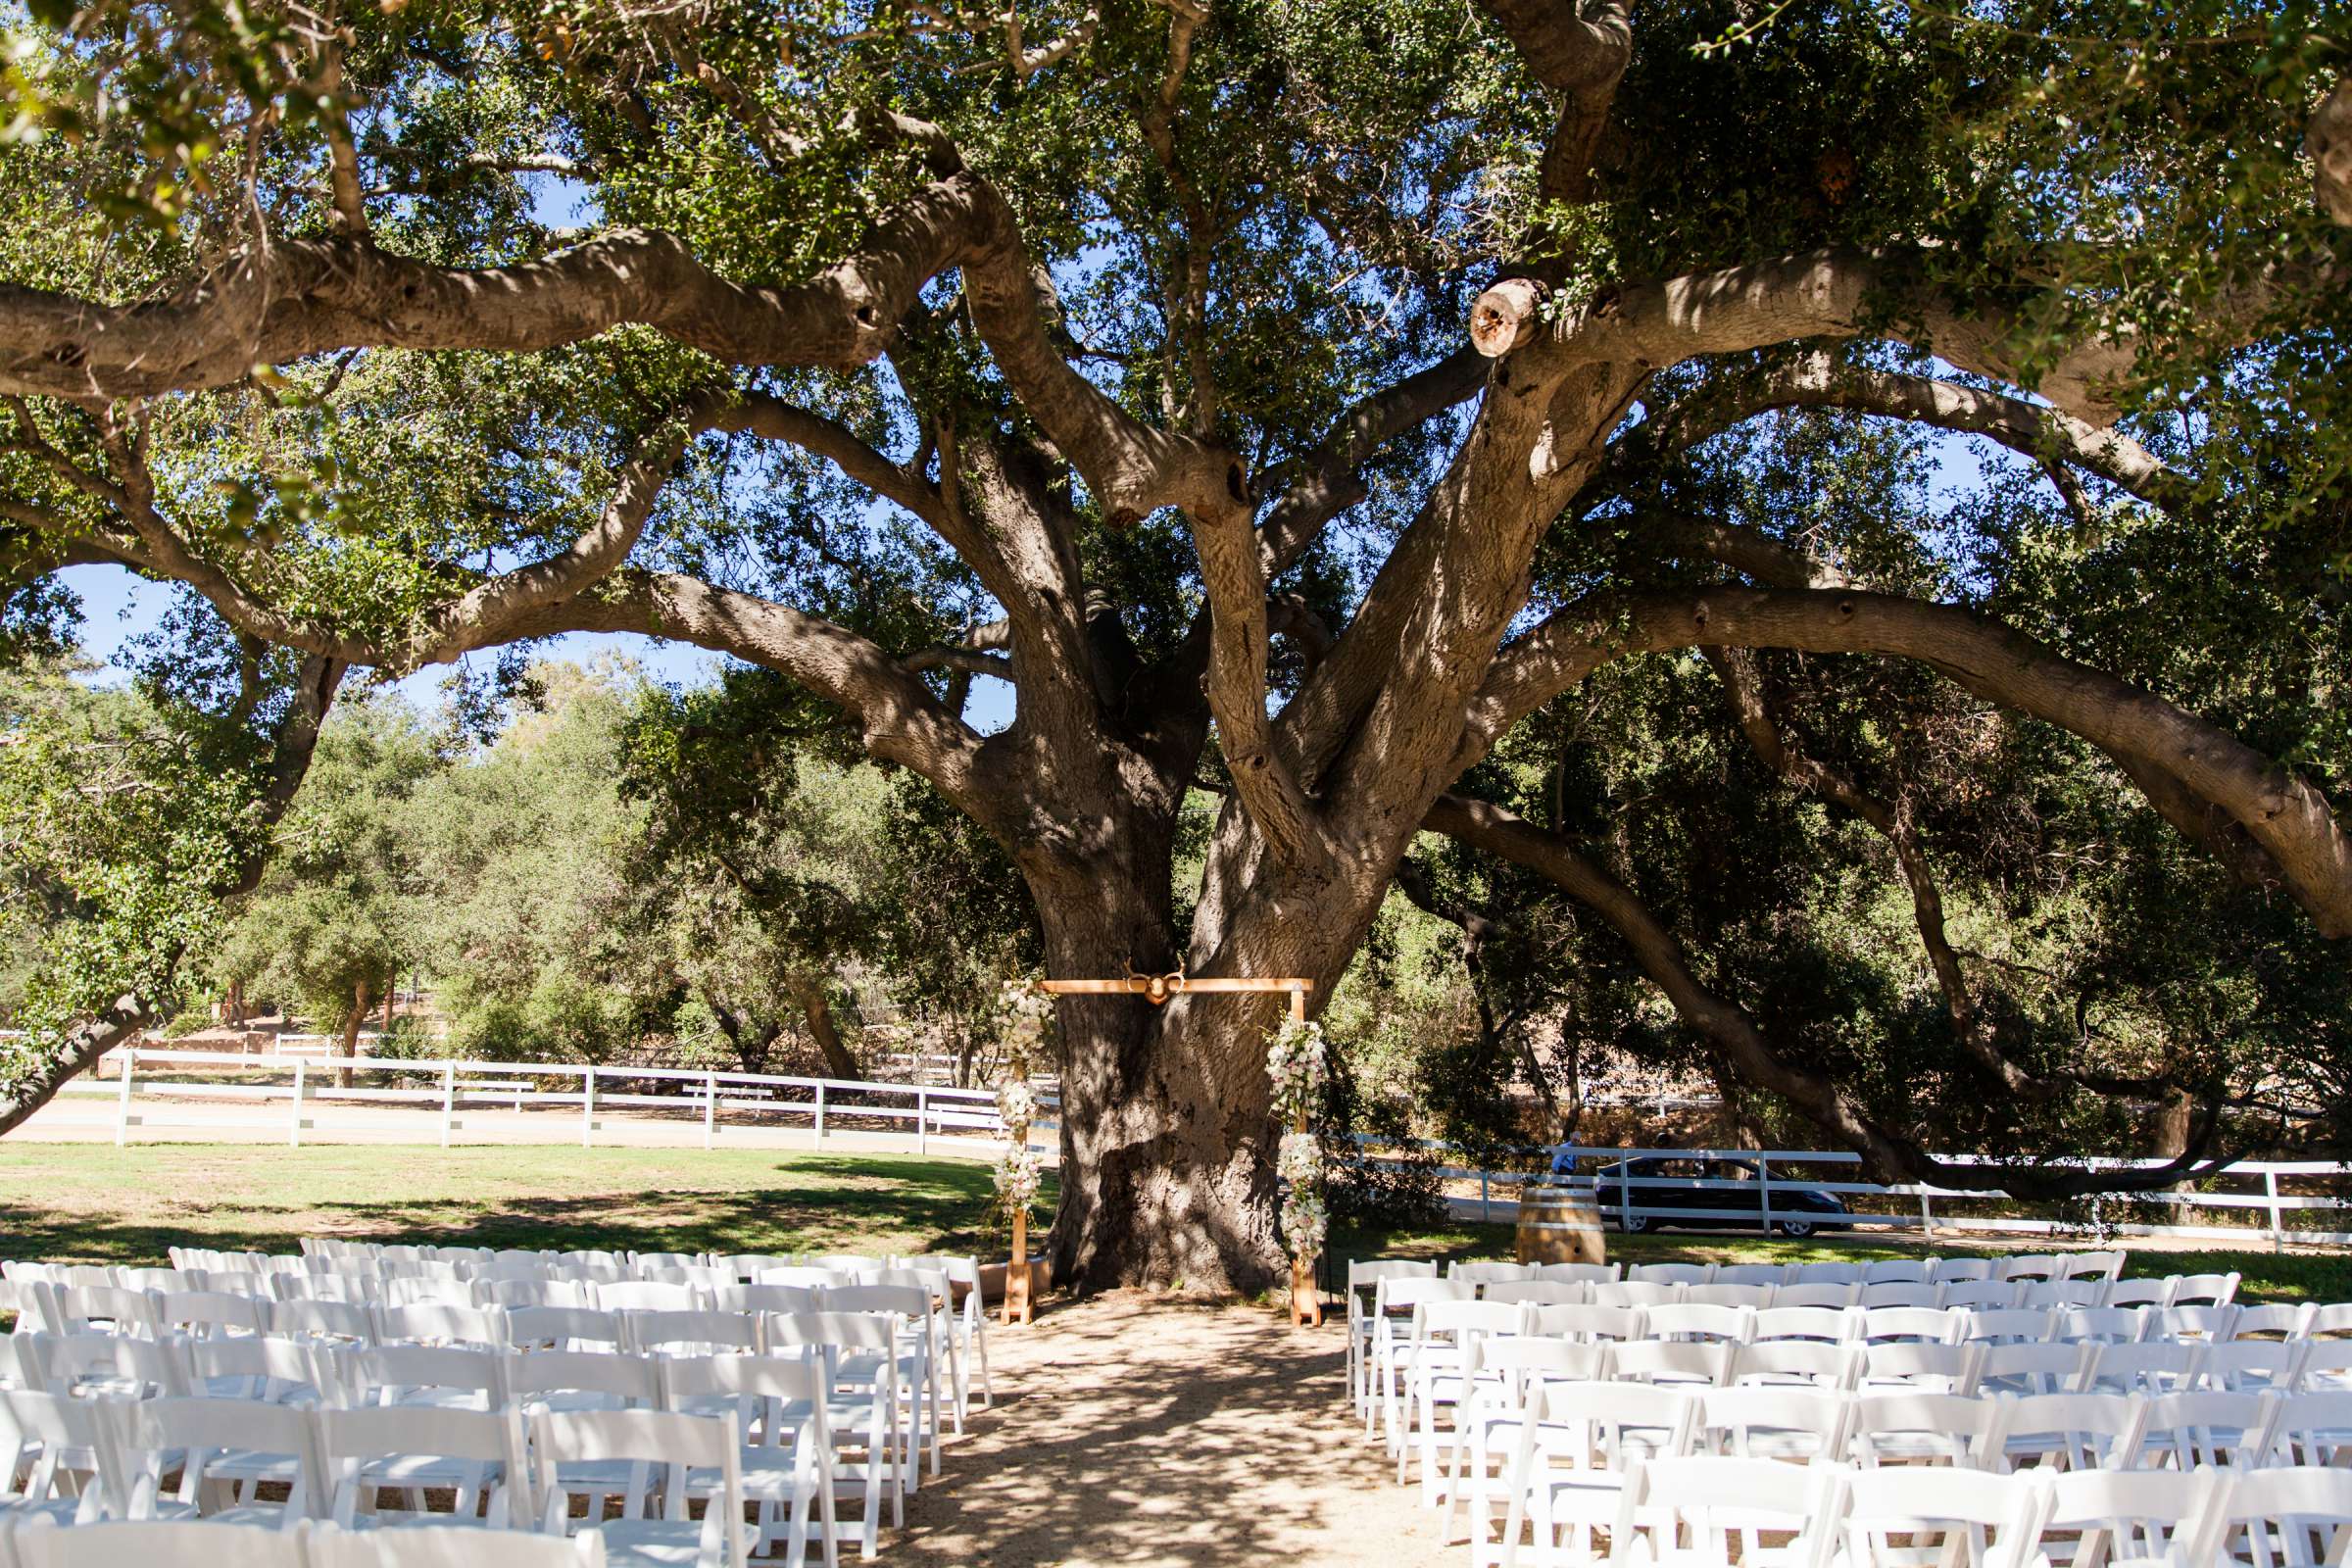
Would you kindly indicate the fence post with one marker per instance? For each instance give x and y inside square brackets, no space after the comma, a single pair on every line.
[1486,1203]
[820,1114]
[587,1106]
[1625,1190]
[2270,1187]
[1927,1218]
[449,1099]
[1764,1179]
[294,1131]
[922,1121]
[709,1109]
[123,1097]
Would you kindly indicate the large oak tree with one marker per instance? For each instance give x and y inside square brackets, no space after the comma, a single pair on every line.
[1249,384]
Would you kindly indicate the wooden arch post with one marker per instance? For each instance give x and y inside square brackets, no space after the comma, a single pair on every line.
[1307,1303]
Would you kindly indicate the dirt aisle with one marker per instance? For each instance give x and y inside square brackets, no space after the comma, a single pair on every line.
[1132,1430]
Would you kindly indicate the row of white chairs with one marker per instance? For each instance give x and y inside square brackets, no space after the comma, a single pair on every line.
[633,1475]
[173,1544]
[2015,1266]
[2087,1295]
[1710,1510]
[638,1310]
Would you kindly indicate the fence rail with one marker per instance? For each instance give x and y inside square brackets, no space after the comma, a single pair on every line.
[1750,1198]
[445,1091]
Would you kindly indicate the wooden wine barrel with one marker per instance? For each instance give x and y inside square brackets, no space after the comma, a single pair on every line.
[1559,1224]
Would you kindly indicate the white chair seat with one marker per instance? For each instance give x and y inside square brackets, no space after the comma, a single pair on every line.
[428,1471]
[661,1543]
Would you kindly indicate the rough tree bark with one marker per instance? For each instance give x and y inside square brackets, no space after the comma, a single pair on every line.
[816,1010]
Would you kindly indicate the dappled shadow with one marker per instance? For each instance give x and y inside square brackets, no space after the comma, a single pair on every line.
[1148,1429]
[902,1205]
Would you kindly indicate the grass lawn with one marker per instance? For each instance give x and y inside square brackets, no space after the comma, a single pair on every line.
[92,1202]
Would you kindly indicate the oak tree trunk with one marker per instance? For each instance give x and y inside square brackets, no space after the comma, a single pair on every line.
[363,997]
[816,1006]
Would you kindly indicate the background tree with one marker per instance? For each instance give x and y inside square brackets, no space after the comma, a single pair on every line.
[1120,357]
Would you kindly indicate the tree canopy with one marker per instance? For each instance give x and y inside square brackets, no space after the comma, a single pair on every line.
[1511,421]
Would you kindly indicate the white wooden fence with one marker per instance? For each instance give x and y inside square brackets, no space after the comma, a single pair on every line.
[1683,1200]
[150,1089]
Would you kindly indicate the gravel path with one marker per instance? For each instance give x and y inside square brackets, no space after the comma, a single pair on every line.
[1131,1428]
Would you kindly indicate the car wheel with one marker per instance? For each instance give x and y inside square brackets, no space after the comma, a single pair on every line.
[1796,1229]
[1634,1224]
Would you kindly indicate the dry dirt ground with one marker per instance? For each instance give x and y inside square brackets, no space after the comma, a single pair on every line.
[1132,1428]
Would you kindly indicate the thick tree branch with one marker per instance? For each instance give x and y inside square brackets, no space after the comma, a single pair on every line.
[2279,811]
[1732,1035]
[2327,139]
[1580,52]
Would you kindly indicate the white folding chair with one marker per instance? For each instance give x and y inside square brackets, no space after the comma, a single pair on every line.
[2282,1517]
[2135,1516]
[57,1460]
[265,1367]
[1675,1363]
[676,1445]
[1586,1324]
[1957,1505]
[566,1328]
[2104,1266]
[1917,1325]
[1915,1427]
[1669,1273]
[2313,1428]
[1982,1296]
[2069,1431]
[917,1355]
[2205,1290]
[2284,1320]
[1536,1293]
[579,1295]
[1698,1322]
[1487,1273]
[862,1414]
[478,1456]
[1573,1458]
[1829,1325]
[1899,1271]
[207,1314]
[969,1318]
[2140,1293]
[334,1322]
[91,1365]
[1772,1423]
[2105,1325]
[225,1451]
[324,1545]
[1702,1511]
[1579,1273]
[1904,1294]
[1854,1274]
[1642,1294]
[2182,1431]
[2150,1368]
[2023,1368]
[2006,1326]
[1439,1375]
[1396,1299]
[1506,1377]
[1833,1297]
[777,1407]
[690,1333]
[2255,1366]
[1896,1366]
[1715,1293]
[441,1323]
[442,1376]
[647,1295]
[1795,1363]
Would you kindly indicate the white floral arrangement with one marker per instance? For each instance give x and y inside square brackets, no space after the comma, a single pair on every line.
[1295,1062]
[1018,1171]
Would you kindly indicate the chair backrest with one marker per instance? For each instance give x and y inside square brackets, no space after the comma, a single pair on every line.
[2028,1368]
[564,1328]
[2100,1325]
[1683,1320]
[2141,1292]
[906,1301]
[1367,1270]
[707,1385]
[348,1439]
[398,1374]
[1520,1363]
[1716,1292]
[1689,1508]
[1538,1293]
[42,1435]
[1836,1298]
[1793,1364]
[2205,1427]
[2032,1266]
[2331,1318]
[159,1544]
[647,1295]
[2208,1289]
[1953,1501]
[678,1442]
[1622,1418]
[1686,1362]
[2254,1366]
[80,1309]
[1945,1428]
[441,1323]
[1586,1323]
[1929,1368]
[1829,1325]
[1903,1293]
[533,1292]
[1458,1322]
[2071,1430]
[2280,1320]
[2129,1515]
[765,1298]
[1826,1274]
[1404,1292]
[207,1313]
[1764,1422]
[1749,1274]
[1669,1273]
[592,1379]
[260,1366]
[1485,1273]
[1985,1294]
[346,1321]
[153,1435]
[1952,1270]
[2152,1366]
[746,1266]
[1923,1325]
[2107,1265]
[2313,1428]
[2006,1325]
[1635,1293]
[2088,1292]
[804,1276]
[427,1289]
[1899,1271]
[1579,1273]
[2190,1322]
[692,1332]
[108,1364]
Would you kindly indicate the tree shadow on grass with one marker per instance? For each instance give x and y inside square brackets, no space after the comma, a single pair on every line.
[878,1206]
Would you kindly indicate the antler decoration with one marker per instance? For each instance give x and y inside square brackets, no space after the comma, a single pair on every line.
[1159,988]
